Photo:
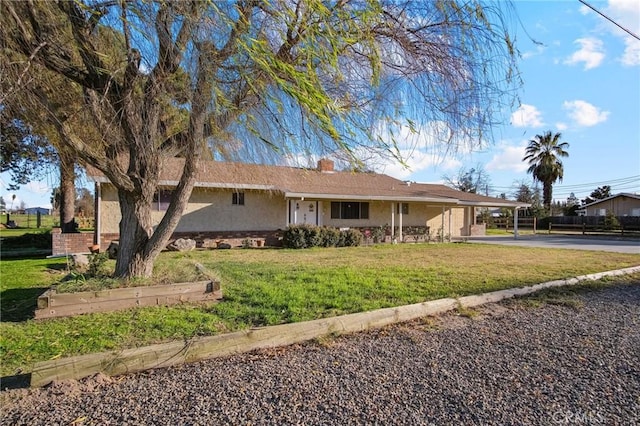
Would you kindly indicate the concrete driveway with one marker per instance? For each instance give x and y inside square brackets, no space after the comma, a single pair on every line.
[577,242]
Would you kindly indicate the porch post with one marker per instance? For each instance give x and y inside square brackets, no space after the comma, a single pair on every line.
[287,220]
[450,221]
[97,214]
[393,220]
[400,222]
[442,226]
[515,223]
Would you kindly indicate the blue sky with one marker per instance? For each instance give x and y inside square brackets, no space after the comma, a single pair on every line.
[583,80]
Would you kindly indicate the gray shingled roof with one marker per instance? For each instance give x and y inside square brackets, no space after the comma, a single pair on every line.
[296,182]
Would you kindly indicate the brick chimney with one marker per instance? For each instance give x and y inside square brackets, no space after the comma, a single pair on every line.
[325,165]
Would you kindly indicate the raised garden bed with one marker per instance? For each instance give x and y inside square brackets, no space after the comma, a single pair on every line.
[52,304]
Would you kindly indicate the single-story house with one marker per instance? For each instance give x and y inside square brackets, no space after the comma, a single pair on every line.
[233,201]
[623,204]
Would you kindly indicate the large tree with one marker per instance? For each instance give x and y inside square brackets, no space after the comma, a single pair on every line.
[544,154]
[299,76]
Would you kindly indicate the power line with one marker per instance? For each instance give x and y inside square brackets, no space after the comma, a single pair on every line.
[587,185]
[610,20]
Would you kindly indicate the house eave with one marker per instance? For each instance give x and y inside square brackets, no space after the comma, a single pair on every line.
[491,204]
[174,183]
[316,196]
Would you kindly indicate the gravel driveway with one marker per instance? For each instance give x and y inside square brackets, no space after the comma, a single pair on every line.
[575,361]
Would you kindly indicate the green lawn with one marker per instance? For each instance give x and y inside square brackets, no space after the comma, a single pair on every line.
[273,286]
[29,222]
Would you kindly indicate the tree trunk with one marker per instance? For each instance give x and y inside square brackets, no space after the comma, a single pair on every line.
[67,193]
[134,259]
[546,195]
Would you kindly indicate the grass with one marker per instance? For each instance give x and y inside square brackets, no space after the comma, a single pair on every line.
[29,221]
[271,286]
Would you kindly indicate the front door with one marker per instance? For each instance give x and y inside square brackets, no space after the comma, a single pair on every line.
[304,211]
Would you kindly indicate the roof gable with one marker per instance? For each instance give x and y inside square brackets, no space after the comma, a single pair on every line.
[622,194]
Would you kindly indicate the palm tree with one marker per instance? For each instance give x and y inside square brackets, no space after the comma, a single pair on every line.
[543,154]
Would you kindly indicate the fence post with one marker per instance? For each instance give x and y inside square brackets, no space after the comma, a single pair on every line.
[38,219]
[584,228]
[549,227]
[535,220]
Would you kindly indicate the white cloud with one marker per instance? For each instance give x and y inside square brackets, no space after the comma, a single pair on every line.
[631,55]
[509,158]
[417,161]
[562,126]
[591,52]
[585,114]
[527,116]
[626,13]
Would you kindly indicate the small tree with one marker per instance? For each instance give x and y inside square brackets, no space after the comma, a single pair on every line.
[611,222]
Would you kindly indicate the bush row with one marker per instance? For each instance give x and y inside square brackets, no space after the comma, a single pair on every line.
[307,236]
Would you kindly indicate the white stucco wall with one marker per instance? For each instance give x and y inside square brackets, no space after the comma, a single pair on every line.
[210,210]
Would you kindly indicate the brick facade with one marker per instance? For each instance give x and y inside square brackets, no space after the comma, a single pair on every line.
[62,244]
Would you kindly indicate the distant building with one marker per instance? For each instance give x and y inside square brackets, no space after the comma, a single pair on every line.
[624,204]
[36,210]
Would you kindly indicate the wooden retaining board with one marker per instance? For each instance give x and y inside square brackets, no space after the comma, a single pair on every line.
[52,304]
[201,348]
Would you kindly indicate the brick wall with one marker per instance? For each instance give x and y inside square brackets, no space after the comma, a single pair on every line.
[70,243]
[235,238]
[478,230]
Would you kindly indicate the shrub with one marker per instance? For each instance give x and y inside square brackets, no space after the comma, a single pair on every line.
[97,265]
[330,237]
[312,236]
[611,222]
[352,237]
[294,237]
[39,240]
[307,236]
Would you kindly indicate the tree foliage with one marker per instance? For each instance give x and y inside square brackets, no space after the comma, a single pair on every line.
[474,180]
[544,154]
[600,193]
[23,154]
[234,77]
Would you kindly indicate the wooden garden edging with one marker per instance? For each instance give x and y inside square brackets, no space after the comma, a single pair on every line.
[52,304]
[201,348]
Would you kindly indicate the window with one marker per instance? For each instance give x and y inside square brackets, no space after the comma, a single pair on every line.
[238,198]
[162,199]
[405,208]
[349,210]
